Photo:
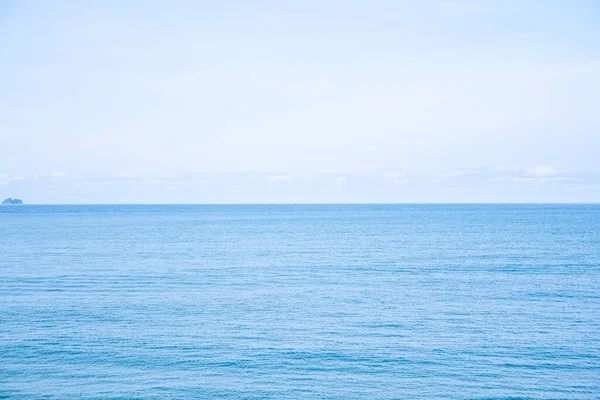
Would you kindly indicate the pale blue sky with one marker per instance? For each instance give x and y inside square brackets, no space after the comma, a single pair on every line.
[312,101]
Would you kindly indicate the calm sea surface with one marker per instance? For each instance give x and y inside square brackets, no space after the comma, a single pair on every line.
[287,302]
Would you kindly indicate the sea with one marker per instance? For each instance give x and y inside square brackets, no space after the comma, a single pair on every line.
[457,301]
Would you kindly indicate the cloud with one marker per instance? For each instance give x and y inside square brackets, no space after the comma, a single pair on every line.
[470,6]
[529,179]
[397,176]
[542,171]
[280,178]
[538,174]
[511,169]
[5,179]
[463,174]
[453,173]
[541,174]
[302,186]
[506,174]
[394,174]
[340,180]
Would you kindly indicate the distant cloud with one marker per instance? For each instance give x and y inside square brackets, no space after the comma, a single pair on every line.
[508,169]
[281,178]
[506,174]
[5,179]
[397,176]
[472,6]
[290,186]
[544,179]
[543,171]
[453,173]
[340,180]
[542,174]
[463,174]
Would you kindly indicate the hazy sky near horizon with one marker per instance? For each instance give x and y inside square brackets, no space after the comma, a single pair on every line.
[312,101]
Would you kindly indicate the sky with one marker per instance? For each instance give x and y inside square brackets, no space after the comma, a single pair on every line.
[318,101]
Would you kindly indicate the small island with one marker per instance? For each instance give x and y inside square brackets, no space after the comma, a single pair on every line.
[10,201]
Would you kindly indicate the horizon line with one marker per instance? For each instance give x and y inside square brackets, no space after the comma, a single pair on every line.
[305,203]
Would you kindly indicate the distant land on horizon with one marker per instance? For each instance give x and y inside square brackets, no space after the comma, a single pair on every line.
[10,201]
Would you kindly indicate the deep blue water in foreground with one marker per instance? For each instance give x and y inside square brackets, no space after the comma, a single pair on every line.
[287,302]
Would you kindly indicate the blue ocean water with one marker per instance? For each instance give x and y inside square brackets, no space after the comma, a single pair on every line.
[300,301]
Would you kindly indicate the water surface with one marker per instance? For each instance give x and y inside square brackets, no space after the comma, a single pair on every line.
[286,302]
